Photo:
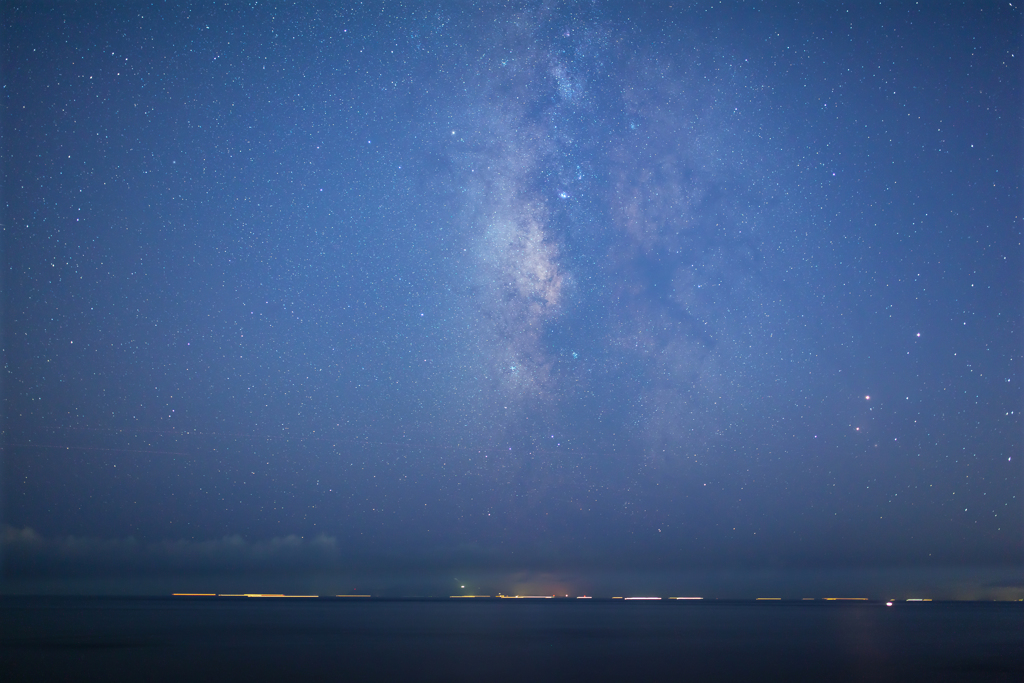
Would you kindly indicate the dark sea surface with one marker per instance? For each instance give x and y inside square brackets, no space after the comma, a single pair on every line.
[254,639]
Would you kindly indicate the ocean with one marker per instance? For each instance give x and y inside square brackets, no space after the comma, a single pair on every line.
[194,639]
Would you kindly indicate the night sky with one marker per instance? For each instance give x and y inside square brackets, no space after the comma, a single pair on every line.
[405,297]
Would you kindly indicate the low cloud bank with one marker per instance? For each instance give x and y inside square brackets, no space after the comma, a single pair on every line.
[26,553]
[321,565]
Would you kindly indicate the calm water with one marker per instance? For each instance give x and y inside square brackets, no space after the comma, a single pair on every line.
[179,639]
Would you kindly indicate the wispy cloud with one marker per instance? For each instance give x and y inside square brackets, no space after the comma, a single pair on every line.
[27,553]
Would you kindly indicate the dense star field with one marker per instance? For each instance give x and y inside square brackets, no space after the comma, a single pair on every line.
[420,298]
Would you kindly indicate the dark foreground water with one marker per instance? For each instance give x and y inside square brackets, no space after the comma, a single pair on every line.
[258,639]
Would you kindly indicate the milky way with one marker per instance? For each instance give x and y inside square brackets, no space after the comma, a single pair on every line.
[617,208]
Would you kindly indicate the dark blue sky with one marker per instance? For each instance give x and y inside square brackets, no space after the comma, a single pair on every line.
[566,289]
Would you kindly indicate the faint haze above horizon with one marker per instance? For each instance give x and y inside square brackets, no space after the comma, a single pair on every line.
[562,295]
